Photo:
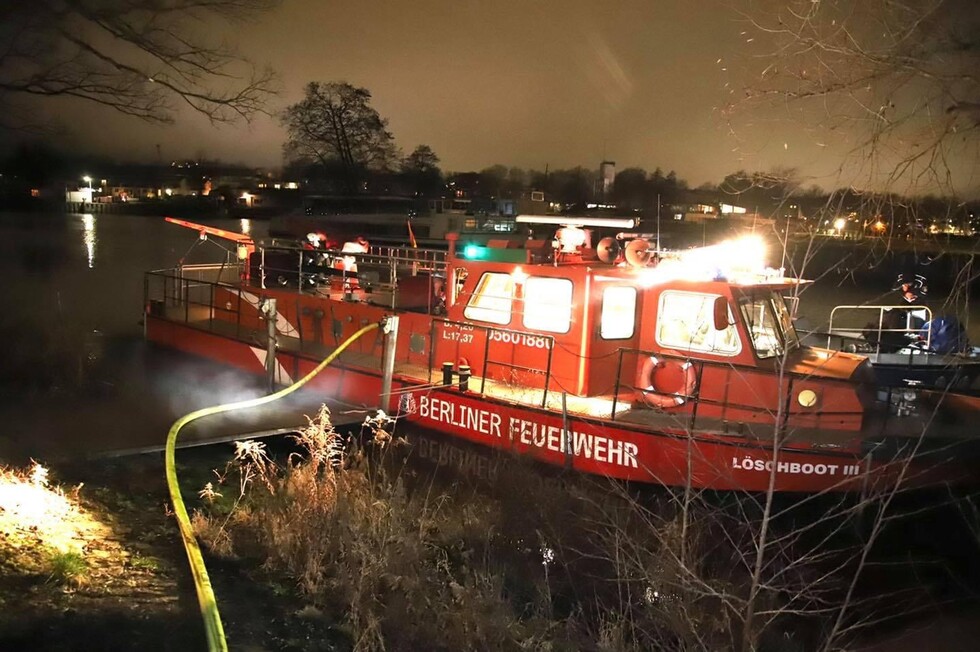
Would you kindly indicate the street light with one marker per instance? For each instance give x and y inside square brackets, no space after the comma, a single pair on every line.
[839,224]
[88,180]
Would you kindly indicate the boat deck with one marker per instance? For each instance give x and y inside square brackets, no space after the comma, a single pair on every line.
[201,314]
[908,429]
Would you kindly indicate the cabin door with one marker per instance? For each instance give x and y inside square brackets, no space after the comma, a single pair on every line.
[616,311]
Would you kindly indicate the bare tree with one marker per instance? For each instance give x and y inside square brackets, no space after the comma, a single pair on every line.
[335,123]
[898,76]
[143,58]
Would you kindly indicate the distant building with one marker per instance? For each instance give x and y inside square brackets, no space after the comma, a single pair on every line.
[533,202]
[701,206]
[607,177]
[82,195]
[131,193]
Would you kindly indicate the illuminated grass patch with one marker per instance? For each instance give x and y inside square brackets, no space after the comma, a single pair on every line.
[35,514]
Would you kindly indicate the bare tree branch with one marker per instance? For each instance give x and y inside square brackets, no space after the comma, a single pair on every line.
[899,76]
[139,57]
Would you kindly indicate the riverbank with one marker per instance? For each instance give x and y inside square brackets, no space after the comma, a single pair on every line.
[188,207]
[128,587]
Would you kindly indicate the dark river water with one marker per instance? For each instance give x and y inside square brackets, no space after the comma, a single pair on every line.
[77,377]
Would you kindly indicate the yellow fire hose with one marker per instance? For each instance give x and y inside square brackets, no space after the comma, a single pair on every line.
[205,594]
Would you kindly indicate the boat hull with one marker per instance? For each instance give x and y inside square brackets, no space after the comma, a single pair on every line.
[604,447]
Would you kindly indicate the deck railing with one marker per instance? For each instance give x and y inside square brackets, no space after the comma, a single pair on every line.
[488,334]
[194,295]
[916,320]
[289,265]
[190,295]
[187,294]
[625,389]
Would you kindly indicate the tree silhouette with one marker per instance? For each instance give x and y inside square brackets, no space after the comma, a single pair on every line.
[335,125]
[421,168]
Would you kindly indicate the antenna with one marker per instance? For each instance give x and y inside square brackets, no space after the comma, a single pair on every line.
[782,262]
[658,221]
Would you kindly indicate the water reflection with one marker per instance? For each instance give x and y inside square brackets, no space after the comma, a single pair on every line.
[88,222]
[247,227]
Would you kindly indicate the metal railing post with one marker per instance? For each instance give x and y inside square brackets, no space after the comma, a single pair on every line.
[432,347]
[390,328]
[697,396]
[268,309]
[486,360]
[619,373]
[547,372]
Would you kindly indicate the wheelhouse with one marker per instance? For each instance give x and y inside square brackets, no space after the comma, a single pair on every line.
[649,334]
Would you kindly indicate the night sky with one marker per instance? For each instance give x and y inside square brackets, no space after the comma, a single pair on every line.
[519,82]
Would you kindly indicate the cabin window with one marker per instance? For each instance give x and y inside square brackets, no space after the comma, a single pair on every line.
[460,274]
[618,312]
[493,299]
[548,304]
[685,321]
[769,323]
[785,317]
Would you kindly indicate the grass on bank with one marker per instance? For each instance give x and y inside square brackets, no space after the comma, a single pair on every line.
[398,563]
[44,530]
[68,568]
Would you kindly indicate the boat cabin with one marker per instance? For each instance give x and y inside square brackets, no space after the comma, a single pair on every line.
[666,328]
[620,328]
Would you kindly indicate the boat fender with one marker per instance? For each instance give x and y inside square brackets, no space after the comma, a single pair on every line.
[648,393]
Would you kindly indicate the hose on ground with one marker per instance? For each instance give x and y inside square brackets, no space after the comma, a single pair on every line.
[205,594]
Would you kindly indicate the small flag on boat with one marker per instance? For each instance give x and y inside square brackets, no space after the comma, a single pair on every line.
[411,235]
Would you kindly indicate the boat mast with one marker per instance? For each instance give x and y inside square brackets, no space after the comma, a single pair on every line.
[658,222]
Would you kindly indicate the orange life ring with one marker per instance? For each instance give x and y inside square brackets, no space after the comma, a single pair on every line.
[647,392]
